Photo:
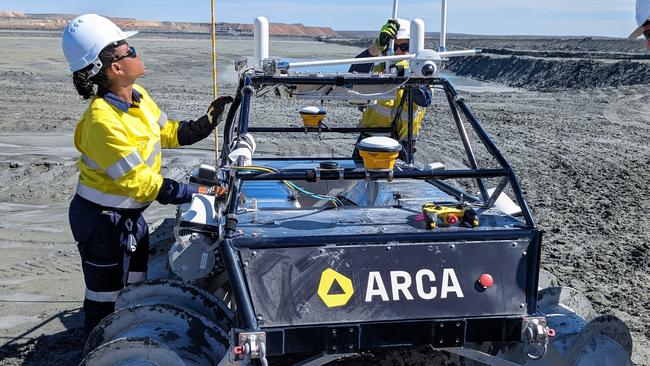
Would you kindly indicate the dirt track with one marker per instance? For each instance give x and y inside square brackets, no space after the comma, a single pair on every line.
[582,157]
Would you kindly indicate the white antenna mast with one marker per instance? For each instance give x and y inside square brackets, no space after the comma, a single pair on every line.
[391,44]
[443,27]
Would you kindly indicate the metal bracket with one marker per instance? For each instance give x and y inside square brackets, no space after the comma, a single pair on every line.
[343,340]
[449,333]
[250,346]
[534,334]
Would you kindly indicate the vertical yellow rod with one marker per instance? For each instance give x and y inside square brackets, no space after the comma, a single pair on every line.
[214,82]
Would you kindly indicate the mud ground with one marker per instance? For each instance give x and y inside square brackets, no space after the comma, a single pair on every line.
[581,154]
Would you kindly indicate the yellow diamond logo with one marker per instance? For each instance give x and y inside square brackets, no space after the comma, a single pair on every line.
[334,288]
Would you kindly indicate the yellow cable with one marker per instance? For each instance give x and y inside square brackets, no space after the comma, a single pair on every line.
[214,82]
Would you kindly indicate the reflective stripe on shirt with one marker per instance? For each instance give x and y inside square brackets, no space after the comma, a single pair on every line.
[108,200]
[162,120]
[152,157]
[90,162]
[390,112]
[125,164]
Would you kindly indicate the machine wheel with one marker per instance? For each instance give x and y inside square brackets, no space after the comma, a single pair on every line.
[179,294]
[149,332]
[161,239]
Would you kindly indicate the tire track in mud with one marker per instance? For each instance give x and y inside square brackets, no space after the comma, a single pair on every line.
[614,112]
[59,262]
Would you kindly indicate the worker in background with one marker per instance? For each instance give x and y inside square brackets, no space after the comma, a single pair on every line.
[120,137]
[393,112]
[642,21]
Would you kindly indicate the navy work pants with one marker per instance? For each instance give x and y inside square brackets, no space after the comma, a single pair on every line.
[102,234]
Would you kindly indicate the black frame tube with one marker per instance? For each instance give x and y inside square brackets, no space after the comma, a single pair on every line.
[227,247]
[492,149]
[245,312]
[310,175]
[260,80]
[230,123]
[322,129]
[247,91]
[409,138]
[466,144]
[317,241]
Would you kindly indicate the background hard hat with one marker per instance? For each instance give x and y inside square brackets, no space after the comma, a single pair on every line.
[404,31]
[85,37]
[642,16]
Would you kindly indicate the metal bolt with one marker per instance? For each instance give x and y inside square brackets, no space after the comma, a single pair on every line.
[351,330]
[245,263]
[458,324]
[387,248]
[321,251]
[351,346]
[334,348]
[514,245]
[523,254]
[452,246]
[334,331]
[521,306]
[442,325]
[253,253]
[259,317]
[457,340]
[441,341]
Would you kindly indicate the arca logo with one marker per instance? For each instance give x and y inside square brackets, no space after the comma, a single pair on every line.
[334,288]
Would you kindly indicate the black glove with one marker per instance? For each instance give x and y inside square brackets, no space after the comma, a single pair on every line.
[216,109]
[388,32]
[190,132]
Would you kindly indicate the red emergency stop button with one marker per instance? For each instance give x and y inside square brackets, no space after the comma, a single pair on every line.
[451,219]
[486,280]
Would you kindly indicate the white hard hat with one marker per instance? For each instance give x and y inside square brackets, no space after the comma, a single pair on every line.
[642,16]
[85,37]
[404,31]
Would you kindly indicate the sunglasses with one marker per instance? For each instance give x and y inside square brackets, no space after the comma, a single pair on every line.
[403,47]
[131,53]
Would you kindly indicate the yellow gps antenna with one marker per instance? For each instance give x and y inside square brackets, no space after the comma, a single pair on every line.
[214,82]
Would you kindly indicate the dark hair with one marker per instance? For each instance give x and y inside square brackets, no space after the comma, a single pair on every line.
[84,84]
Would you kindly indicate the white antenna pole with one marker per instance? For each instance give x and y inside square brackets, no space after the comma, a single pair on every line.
[391,44]
[261,38]
[443,27]
[416,43]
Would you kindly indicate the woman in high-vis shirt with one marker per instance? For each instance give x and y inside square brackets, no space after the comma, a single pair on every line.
[120,137]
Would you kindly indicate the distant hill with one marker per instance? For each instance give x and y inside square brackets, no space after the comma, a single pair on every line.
[13,20]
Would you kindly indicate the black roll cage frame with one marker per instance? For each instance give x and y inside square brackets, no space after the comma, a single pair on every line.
[237,123]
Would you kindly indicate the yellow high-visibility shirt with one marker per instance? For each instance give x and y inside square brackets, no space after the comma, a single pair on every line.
[120,148]
[382,114]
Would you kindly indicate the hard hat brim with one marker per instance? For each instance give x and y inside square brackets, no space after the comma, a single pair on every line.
[129,34]
[126,35]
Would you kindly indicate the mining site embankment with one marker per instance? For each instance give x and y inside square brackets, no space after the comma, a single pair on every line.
[579,149]
[547,64]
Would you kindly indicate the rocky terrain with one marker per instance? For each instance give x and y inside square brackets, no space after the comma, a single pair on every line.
[580,150]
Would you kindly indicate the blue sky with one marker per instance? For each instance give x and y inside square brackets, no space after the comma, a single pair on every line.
[613,18]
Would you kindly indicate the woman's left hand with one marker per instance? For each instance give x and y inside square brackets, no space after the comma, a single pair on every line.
[216,109]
